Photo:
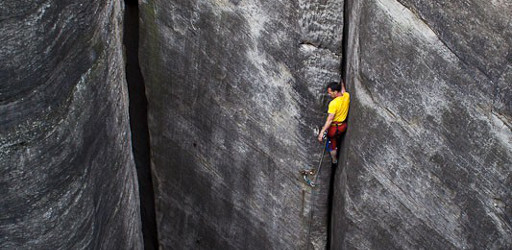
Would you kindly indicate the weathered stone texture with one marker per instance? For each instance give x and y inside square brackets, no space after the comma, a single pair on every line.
[66,170]
[428,164]
[234,93]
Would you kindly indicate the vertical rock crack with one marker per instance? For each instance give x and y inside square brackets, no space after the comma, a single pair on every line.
[343,68]
[139,124]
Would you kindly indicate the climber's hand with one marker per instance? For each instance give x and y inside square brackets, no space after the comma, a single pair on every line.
[320,137]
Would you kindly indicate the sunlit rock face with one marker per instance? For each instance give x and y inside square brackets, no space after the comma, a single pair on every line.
[234,95]
[67,177]
[428,164]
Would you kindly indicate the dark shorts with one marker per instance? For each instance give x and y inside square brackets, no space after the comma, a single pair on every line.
[334,132]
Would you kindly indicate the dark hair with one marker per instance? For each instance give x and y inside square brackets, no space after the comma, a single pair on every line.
[334,86]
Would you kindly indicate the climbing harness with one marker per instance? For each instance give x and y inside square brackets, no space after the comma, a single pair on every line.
[338,124]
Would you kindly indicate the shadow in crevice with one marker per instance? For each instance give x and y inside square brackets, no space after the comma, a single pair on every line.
[139,124]
[343,69]
[330,195]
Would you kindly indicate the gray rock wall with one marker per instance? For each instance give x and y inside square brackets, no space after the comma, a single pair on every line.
[428,164]
[234,95]
[67,176]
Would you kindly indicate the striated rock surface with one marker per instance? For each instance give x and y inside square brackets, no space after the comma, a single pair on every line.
[67,177]
[429,163]
[234,94]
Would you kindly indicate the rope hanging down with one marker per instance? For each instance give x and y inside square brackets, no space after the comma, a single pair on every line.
[305,173]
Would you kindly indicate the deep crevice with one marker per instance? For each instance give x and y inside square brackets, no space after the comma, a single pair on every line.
[329,203]
[139,124]
[343,70]
[344,41]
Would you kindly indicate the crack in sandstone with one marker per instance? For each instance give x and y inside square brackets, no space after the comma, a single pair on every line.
[503,118]
[314,46]
[139,125]
[497,87]
[345,43]
[418,16]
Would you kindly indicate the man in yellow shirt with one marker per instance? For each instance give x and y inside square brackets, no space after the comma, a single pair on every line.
[336,123]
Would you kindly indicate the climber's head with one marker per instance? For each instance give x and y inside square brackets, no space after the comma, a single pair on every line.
[333,89]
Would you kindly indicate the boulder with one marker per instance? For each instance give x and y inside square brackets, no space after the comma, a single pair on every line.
[66,169]
[428,164]
[235,93]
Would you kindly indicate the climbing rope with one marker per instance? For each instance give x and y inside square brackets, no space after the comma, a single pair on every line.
[313,184]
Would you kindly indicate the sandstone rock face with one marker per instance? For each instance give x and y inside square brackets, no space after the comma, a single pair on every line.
[235,92]
[428,164]
[66,170]
[234,95]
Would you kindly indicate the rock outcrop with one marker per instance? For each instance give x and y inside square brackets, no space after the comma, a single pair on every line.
[67,176]
[429,150]
[234,95]
[235,92]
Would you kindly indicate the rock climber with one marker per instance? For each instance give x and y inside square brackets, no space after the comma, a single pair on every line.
[336,123]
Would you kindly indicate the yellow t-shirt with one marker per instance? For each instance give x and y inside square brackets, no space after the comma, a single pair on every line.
[339,107]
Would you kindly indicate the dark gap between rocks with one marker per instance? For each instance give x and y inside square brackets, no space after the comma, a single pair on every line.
[344,41]
[343,69]
[139,124]
[330,195]
[329,206]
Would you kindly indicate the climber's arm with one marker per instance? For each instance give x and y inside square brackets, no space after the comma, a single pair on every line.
[328,122]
